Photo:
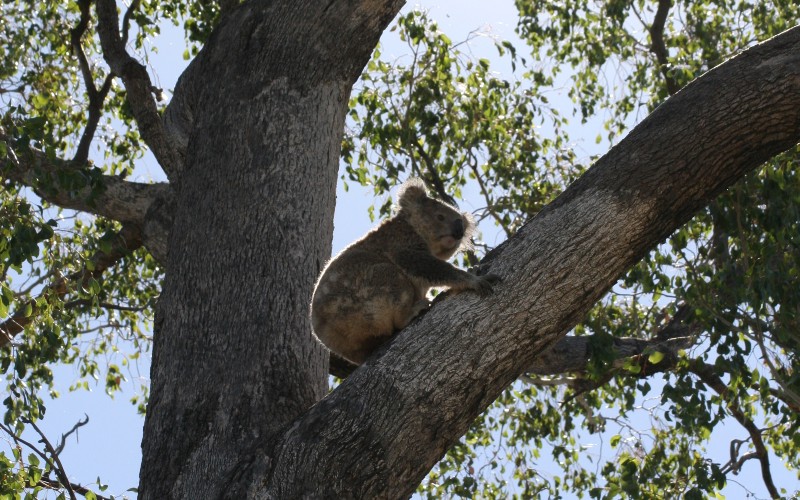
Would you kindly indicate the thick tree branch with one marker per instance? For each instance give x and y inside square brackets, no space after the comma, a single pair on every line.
[572,355]
[89,191]
[138,86]
[706,373]
[126,241]
[394,418]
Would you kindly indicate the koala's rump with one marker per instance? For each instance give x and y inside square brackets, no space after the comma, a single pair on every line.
[361,299]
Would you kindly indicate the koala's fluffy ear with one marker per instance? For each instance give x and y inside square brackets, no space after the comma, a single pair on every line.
[411,192]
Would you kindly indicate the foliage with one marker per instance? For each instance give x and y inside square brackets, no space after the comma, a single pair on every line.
[447,118]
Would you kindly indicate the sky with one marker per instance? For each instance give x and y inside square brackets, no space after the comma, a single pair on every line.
[109,445]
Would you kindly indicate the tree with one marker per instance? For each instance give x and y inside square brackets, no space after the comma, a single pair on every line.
[250,144]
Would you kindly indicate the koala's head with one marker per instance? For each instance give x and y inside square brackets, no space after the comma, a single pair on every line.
[445,229]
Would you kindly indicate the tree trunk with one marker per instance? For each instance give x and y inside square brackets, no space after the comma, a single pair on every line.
[261,113]
[258,118]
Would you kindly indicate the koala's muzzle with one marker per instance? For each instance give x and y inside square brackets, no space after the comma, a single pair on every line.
[458,229]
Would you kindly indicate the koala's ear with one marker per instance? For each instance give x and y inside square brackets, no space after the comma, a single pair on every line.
[411,192]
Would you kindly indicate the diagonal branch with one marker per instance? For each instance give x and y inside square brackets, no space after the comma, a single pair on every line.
[706,373]
[54,466]
[45,482]
[126,241]
[88,190]
[137,84]
[395,416]
[55,460]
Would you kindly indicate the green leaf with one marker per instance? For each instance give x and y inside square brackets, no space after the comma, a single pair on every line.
[655,357]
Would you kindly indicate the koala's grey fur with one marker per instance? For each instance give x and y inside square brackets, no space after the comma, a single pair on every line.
[377,285]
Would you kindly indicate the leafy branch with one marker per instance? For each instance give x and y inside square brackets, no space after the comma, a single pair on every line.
[124,242]
[51,456]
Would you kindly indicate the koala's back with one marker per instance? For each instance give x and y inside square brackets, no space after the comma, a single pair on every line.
[362,296]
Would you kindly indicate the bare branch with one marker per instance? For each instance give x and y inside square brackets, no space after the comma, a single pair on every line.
[104,305]
[63,441]
[137,83]
[706,373]
[657,46]
[58,467]
[126,21]
[126,241]
[96,97]
[571,355]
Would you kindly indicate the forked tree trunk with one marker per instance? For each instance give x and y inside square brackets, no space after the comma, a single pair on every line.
[235,369]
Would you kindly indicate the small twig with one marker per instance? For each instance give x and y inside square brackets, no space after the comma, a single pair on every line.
[64,437]
[485,192]
[25,291]
[59,470]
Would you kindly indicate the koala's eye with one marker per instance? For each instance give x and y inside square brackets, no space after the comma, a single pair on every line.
[440,217]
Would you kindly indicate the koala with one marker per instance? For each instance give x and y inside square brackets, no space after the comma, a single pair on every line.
[377,285]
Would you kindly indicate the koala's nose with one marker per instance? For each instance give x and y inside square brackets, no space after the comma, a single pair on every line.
[458,229]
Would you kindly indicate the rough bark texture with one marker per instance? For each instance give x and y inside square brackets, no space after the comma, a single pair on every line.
[260,114]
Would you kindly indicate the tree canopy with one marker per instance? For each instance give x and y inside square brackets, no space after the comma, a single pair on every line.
[700,332]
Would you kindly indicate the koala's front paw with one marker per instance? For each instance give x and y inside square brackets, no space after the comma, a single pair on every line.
[485,284]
